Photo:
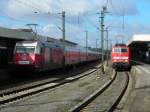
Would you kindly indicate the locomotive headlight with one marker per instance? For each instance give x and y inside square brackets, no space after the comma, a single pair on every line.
[126,60]
[115,60]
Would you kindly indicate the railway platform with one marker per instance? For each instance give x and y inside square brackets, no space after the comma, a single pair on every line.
[139,98]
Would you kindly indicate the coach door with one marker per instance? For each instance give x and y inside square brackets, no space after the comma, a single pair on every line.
[46,57]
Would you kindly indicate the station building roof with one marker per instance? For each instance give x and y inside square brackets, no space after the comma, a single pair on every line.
[19,34]
[26,34]
[139,38]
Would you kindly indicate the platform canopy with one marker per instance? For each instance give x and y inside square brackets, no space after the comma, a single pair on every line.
[19,34]
[139,38]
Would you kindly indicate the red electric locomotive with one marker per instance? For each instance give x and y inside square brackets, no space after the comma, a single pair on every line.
[40,56]
[120,57]
[37,55]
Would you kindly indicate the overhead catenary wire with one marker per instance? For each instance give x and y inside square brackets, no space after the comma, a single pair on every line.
[37,9]
[123,12]
[19,19]
[115,11]
[123,24]
[106,4]
[91,23]
[14,19]
[33,6]
[27,4]
[113,8]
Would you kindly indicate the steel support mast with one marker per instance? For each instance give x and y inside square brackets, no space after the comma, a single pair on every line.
[63,37]
[102,35]
[107,52]
[86,36]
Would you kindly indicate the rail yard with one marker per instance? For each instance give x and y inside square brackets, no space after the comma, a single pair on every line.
[74,56]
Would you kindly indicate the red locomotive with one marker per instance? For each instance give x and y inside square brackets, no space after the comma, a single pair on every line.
[120,57]
[39,55]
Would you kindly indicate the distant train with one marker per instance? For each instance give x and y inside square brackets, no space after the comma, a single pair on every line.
[40,56]
[120,57]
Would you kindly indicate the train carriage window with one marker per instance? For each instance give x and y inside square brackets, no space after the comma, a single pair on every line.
[25,49]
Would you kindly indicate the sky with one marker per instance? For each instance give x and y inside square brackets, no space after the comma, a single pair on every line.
[124,18]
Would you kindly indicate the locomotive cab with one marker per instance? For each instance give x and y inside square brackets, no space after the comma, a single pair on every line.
[25,54]
[120,57]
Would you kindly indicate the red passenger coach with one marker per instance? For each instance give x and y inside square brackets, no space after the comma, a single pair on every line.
[120,57]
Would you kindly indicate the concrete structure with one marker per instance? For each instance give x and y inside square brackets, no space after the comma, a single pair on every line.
[140,47]
[139,38]
[139,98]
[18,34]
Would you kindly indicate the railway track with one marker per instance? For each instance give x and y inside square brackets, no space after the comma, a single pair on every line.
[12,95]
[12,79]
[107,97]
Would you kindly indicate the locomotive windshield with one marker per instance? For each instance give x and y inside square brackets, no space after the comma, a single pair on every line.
[124,50]
[120,50]
[25,49]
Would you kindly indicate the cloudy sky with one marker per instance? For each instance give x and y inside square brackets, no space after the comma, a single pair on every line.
[125,17]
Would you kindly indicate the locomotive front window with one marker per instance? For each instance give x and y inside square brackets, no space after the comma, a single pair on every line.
[117,50]
[120,50]
[25,49]
[124,50]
